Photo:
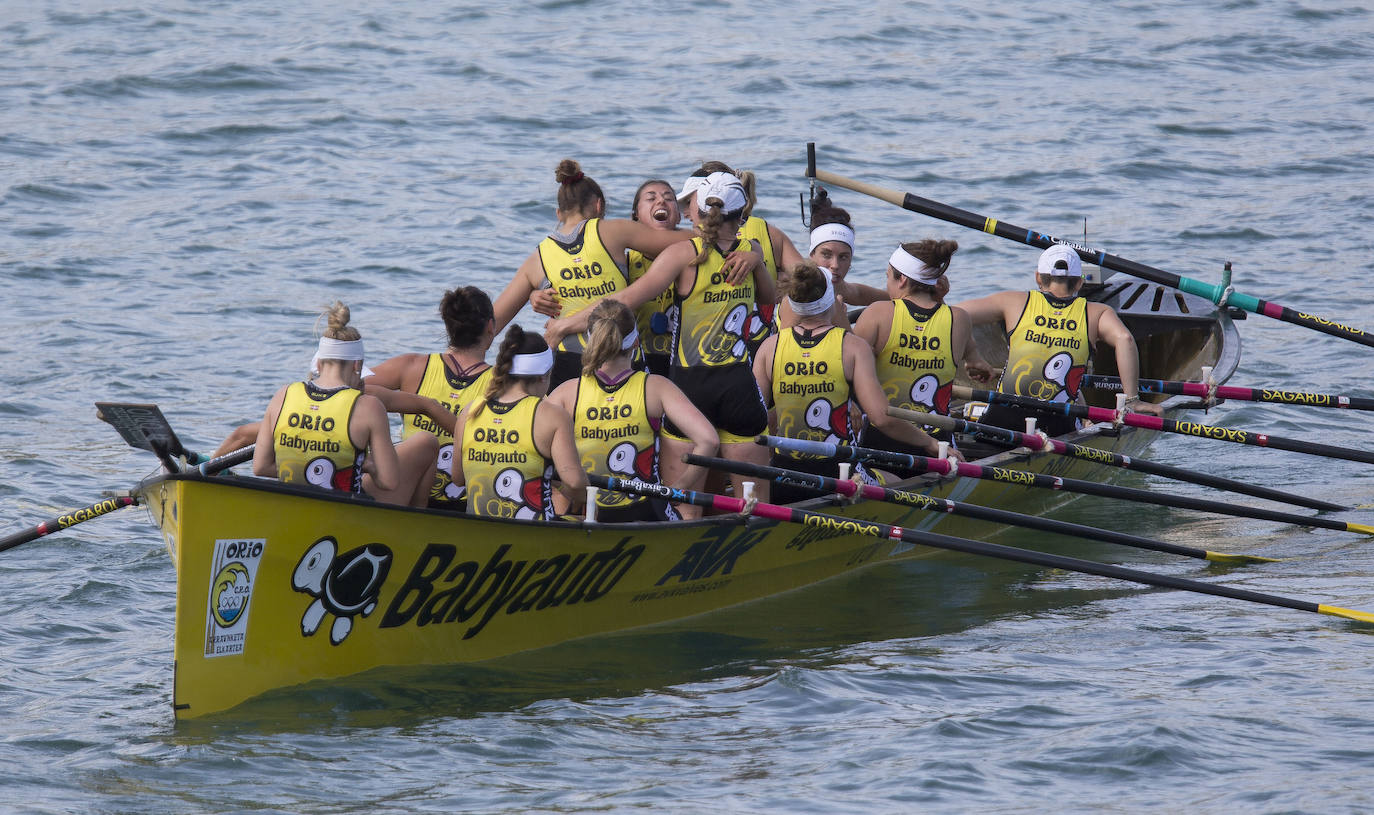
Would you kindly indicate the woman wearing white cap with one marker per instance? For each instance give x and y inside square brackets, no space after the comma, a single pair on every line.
[327,433]
[919,342]
[513,439]
[815,373]
[711,361]
[1051,333]
[778,251]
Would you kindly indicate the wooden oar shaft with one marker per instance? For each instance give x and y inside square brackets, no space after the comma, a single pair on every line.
[1016,438]
[993,550]
[1216,293]
[847,452]
[1204,391]
[932,504]
[66,519]
[1160,423]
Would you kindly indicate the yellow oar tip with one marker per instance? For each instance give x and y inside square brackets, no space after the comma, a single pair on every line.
[1361,528]
[1348,613]
[1222,557]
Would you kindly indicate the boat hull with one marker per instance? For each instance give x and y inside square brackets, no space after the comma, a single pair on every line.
[279,585]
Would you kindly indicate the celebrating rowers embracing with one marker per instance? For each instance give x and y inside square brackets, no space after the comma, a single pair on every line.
[711,362]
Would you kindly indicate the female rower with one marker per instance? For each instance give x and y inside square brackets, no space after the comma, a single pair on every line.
[918,341]
[617,413]
[814,372]
[710,359]
[778,251]
[328,433]
[583,259]
[1051,333]
[453,378]
[513,439]
[832,247]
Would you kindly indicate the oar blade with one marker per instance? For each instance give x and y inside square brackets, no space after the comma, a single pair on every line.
[1229,559]
[1347,613]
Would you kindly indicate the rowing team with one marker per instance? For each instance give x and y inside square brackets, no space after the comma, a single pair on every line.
[666,341]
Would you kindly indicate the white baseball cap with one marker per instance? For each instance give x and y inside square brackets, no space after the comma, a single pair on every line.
[724,187]
[1060,261]
[691,185]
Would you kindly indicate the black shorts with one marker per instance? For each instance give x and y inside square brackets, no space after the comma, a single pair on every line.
[728,396]
[1014,418]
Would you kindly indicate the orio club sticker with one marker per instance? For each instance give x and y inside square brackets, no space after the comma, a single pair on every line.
[233,570]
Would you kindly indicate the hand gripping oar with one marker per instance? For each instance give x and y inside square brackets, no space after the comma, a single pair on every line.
[1204,391]
[1221,294]
[1015,438]
[845,452]
[1145,420]
[993,550]
[930,504]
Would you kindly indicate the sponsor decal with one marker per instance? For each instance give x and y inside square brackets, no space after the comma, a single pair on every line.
[1212,432]
[1295,398]
[439,591]
[1323,321]
[716,552]
[234,568]
[1012,476]
[344,585]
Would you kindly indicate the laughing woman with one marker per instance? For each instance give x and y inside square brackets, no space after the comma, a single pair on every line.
[815,372]
[326,432]
[513,439]
[583,259]
[618,412]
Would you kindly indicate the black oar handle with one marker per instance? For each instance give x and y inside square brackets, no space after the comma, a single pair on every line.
[1113,459]
[1219,294]
[887,531]
[932,504]
[66,519]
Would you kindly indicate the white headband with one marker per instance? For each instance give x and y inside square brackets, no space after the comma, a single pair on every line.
[338,349]
[821,304]
[532,364]
[630,339]
[831,232]
[914,268]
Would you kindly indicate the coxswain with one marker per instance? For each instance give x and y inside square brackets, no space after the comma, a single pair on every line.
[1051,332]
[618,413]
[327,433]
[815,373]
[453,377]
[918,341]
[513,439]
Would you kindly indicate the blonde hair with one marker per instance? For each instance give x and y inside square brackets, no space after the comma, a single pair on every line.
[336,317]
[609,323]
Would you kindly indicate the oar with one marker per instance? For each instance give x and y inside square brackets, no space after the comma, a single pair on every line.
[1204,391]
[845,452]
[108,505]
[1145,420]
[1016,438]
[67,519]
[930,504]
[1221,294]
[993,550]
